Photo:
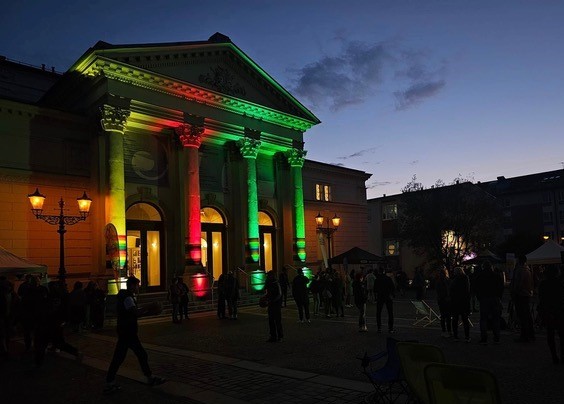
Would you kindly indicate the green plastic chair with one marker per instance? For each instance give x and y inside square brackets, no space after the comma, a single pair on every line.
[414,357]
[457,384]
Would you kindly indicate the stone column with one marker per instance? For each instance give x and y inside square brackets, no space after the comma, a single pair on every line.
[296,158]
[191,138]
[249,148]
[114,121]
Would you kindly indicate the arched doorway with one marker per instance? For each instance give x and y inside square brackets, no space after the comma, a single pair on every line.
[213,241]
[267,234]
[145,246]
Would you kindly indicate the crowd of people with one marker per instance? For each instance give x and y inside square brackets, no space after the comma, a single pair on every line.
[41,311]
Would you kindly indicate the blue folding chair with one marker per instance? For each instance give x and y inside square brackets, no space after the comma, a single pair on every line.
[387,379]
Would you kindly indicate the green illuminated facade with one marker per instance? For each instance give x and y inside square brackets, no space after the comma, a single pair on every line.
[190,150]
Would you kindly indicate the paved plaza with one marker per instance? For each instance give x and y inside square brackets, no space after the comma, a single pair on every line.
[208,360]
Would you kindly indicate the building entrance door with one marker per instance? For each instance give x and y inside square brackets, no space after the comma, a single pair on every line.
[145,246]
[267,234]
[213,241]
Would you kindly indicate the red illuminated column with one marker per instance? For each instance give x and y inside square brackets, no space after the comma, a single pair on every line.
[191,138]
[114,121]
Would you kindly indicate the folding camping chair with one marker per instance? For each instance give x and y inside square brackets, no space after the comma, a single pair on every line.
[458,384]
[424,313]
[387,379]
[414,357]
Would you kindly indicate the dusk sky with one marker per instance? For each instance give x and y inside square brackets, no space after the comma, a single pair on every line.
[436,89]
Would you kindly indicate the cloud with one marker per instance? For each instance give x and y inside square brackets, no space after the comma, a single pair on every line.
[358,153]
[376,184]
[361,70]
[416,93]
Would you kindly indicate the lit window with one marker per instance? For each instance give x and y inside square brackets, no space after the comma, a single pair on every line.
[392,247]
[389,212]
[322,192]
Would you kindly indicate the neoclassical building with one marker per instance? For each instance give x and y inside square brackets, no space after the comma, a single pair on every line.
[193,157]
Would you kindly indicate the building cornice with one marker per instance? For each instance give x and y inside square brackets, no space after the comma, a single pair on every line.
[96,65]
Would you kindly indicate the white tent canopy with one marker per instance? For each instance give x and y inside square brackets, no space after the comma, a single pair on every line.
[11,264]
[548,253]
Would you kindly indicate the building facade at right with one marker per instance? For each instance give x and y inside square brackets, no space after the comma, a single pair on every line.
[532,209]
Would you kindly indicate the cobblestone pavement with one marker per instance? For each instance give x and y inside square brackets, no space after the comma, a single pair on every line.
[208,360]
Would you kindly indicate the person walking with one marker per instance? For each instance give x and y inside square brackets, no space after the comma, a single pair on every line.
[9,302]
[348,289]
[443,300]
[521,292]
[488,287]
[232,294]
[274,298]
[551,310]
[301,295]
[385,292]
[127,328]
[460,303]
[360,296]
[174,298]
[184,298]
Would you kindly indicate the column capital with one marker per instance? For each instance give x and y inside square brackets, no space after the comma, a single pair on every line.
[114,119]
[190,135]
[296,157]
[249,147]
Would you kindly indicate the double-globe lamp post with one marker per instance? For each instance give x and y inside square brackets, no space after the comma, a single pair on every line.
[36,199]
[327,230]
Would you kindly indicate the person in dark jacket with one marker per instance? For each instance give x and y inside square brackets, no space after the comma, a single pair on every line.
[77,307]
[274,298]
[174,292]
[385,292]
[360,297]
[551,310]
[301,295]
[488,286]
[460,303]
[184,298]
[127,314]
[521,288]
[443,300]
[221,297]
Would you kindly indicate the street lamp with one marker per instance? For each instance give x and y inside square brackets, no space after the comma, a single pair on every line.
[327,230]
[36,199]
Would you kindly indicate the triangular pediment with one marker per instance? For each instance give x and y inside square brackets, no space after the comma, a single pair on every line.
[216,65]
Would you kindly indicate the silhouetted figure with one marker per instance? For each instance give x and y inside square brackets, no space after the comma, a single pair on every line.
[419,284]
[274,298]
[551,310]
[385,292]
[521,292]
[221,296]
[232,294]
[284,284]
[174,299]
[360,296]
[442,288]
[77,306]
[488,287]
[184,298]
[301,295]
[28,308]
[127,314]
[460,302]
[9,307]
